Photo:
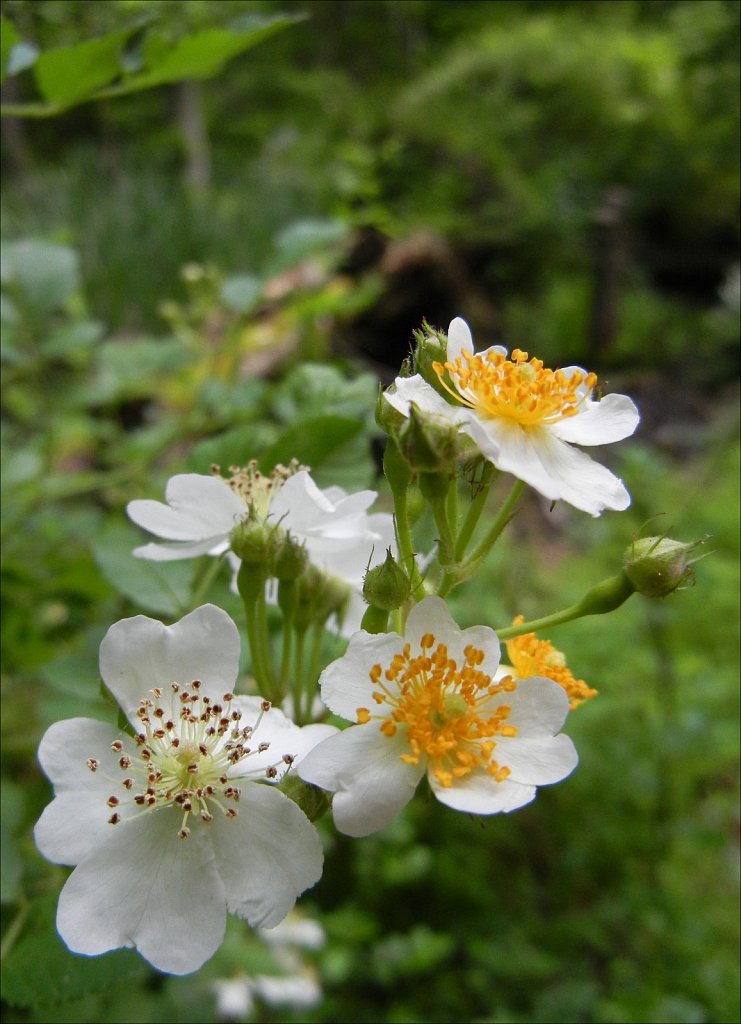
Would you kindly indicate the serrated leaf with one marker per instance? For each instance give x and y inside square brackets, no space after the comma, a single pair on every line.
[69,74]
[40,971]
[162,587]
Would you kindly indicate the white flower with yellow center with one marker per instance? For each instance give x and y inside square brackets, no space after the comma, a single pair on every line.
[341,537]
[175,826]
[525,418]
[429,703]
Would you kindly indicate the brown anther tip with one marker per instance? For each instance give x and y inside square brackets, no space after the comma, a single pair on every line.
[92,764]
[183,833]
[114,819]
[266,705]
[271,772]
[112,801]
[117,745]
[196,684]
[228,697]
[263,747]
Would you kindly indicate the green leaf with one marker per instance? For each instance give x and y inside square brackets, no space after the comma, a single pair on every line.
[241,293]
[12,799]
[162,587]
[8,38]
[39,970]
[69,74]
[44,273]
[312,441]
[133,368]
[199,55]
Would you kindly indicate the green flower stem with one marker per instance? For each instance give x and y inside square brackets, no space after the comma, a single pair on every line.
[310,684]
[474,512]
[399,476]
[602,598]
[251,587]
[263,638]
[206,577]
[299,675]
[500,521]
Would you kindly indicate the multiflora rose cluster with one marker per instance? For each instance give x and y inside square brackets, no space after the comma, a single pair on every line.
[432,703]
[525,418]
[174,826]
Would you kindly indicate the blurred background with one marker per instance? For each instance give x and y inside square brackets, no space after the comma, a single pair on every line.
[221,223]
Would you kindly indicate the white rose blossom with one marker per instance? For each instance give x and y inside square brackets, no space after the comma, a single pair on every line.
[430,703]
[340,536]
[525,418]
[173,828]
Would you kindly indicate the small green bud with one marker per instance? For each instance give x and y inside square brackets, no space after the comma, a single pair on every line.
[291,558]
[319,596]
[428,442]
[389,419]
[254,542]
[386,586]
[314,802]
[431,347]
[657,566]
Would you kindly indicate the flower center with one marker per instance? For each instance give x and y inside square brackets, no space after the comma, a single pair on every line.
[258,489]
[446,709]
[533,657]
[185,752]
[517,389]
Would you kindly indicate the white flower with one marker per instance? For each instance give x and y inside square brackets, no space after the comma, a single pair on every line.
[341,537]
[524,419]
[429,703]
[173,828]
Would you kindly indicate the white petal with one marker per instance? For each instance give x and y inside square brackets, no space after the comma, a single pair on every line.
[611,419]
[267,856]
[431,615]
[459,339]
[480,793]
[549,465]
[346,684]
[363,768]
[539,706]
[76,821]
[147,888]
[198,507]
[283,735]
[537,761]
[170,552]
[140,653]
[416,390]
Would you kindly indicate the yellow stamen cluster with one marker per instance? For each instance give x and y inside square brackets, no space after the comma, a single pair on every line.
[257,489]
[533,657]
[517,389]
[446,710]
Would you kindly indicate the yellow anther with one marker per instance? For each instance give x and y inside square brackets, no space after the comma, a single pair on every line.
[533,657]
[518,389]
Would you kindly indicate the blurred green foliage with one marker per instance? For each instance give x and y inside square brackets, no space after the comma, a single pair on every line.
[154,323]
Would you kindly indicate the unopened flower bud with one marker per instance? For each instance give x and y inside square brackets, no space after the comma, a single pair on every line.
[431,347]
[254,542]
[387,585]
[319,596]
[429,443]
[389,419]
[656,566]
[291,558]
